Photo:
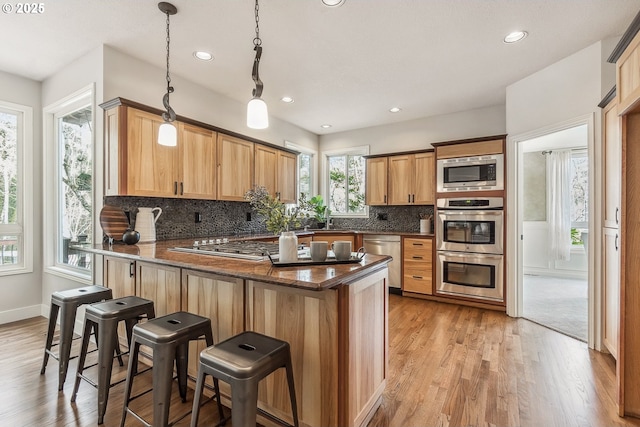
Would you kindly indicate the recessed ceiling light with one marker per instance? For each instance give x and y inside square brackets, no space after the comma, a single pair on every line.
[395,109]
[202,55]
[325,126]
[516,36]
[333,3]
[287,99]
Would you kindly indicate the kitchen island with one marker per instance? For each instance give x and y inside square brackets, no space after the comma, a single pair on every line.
[333,316]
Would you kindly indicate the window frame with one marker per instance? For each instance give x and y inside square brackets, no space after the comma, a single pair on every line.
[24,190]
[313,166]
[581,225]
[362,150]
[51,183]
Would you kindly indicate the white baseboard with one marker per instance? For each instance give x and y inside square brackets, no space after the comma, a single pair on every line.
[22,313]
[564,274]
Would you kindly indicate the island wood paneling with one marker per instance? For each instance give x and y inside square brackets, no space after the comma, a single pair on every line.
[272,310]
[160,284]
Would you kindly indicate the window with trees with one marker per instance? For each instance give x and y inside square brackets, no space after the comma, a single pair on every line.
[579,171]
[10,222]
[345,174]
[306,169]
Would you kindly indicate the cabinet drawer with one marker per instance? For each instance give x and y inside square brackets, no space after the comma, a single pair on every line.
[417,268]
[418,249]
[421,284]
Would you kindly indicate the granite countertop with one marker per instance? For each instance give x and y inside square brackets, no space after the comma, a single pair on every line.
[310,277]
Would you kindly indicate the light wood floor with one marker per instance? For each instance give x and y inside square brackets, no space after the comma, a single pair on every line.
[449,366]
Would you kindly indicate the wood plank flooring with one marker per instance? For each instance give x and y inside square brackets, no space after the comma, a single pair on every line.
[449,366]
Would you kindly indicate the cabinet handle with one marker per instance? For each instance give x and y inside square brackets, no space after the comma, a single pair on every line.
[408,198]
[413,198]
[132,270]
[417,244]
[175,187]
[616,242]
[182,188]
[385,198]
[417,257]
[617,210]
[417,277]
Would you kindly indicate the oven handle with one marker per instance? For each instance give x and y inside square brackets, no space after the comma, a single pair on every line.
[470,255]
[450,211]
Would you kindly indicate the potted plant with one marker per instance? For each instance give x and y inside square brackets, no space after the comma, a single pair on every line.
[320,210]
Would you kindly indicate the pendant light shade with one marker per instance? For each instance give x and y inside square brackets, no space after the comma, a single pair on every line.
[257,115]
[168,135]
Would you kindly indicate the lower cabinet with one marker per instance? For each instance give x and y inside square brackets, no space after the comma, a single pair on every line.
[160,284]
[417,265]
[120,277]
[611,277]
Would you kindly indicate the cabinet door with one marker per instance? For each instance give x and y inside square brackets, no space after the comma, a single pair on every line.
[160,284]
[197,162]
[120,276]
[286,183]
[612,165]
[628,77]
[152,169]
[611,276]
[417,265]
[424,179]
[266,165]
[376,187]
[235,167]
[400,179]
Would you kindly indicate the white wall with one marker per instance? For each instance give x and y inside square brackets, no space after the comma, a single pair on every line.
[136,80]
[20,294]
[419,134]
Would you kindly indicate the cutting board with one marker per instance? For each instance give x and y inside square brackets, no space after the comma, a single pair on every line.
[113,221]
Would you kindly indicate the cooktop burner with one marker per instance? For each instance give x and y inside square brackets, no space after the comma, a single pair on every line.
[250,250]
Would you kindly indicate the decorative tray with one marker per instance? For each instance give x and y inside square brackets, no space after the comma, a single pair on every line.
[309,261]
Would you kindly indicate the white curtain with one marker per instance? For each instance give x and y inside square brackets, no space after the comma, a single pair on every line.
[558,206]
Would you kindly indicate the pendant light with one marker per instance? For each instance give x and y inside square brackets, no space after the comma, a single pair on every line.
[167,134]
[257,115]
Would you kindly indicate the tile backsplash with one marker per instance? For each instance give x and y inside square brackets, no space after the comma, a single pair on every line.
[236,218]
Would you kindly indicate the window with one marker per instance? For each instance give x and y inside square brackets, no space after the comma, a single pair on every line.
[70,170]
[345,182]
[15,188]
[306,169]
[579,171]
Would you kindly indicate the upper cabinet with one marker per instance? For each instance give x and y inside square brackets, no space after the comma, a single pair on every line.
[276,171]
[235,167]
[628,76]
[612,163]
[411,179]
[376,185]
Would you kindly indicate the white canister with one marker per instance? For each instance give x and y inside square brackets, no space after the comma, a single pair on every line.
[425,226]
[288,247]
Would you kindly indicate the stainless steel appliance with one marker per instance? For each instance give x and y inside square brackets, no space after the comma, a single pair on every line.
[469,243]
[470,225]
[470,173]
[243,249]
[381,244]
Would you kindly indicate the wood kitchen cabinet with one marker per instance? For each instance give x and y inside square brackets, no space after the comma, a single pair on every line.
[160,284]
[417,265]
[411,179]
[611,285]
[119,275]
[235,167]
[376,181]
[628,77]
[276,171]
[136,165]
[612,164]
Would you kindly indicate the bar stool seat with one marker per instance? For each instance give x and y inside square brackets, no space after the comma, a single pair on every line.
[168,336]
[242,361]
[67,303]
[103,318]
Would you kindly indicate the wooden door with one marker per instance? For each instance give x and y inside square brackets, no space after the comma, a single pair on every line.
[160,284]
[287,172]
[152,169]
[197,162]
[424,179]
[376,186]
[235,167]
[266,165]
[611,277]
[612,165]
[400,179]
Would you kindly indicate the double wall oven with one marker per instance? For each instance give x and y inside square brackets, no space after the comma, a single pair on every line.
[469,244]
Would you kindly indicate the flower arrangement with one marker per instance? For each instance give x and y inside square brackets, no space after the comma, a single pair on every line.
[278,217]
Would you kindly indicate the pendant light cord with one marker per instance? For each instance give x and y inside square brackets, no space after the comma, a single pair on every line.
[170,115]
[257,46]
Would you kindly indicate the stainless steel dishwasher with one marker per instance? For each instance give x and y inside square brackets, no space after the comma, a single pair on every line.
[383,244]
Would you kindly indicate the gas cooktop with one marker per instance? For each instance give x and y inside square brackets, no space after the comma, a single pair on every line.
[243,249]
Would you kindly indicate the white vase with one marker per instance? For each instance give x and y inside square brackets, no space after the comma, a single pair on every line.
[288,246]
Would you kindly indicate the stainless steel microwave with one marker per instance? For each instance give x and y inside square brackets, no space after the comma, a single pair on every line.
[470,173]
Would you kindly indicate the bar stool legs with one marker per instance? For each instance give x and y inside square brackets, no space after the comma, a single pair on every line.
[66,303]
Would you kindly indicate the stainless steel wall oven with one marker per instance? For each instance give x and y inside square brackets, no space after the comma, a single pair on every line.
[469,243]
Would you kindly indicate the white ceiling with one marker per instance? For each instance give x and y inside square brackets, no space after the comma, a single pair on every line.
[345,65]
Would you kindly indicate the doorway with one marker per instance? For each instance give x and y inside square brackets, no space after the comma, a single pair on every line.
[554,212]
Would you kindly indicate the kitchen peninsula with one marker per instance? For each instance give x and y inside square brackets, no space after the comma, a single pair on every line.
[333,316]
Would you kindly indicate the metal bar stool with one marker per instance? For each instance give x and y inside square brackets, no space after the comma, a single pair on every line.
[103,319]
[168,337]
[242,361]
[67,303]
